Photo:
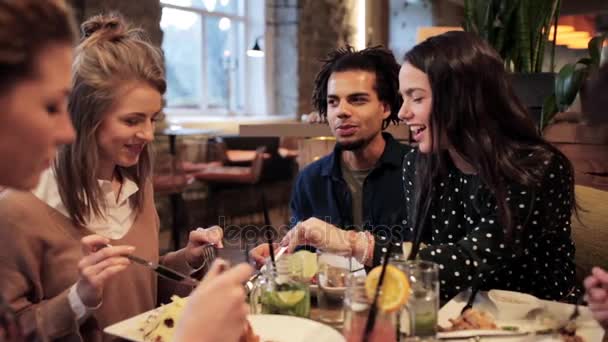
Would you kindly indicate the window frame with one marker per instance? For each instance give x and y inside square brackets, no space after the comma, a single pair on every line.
[204,110]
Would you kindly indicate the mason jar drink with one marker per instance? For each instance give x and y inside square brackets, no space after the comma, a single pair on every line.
[281,290]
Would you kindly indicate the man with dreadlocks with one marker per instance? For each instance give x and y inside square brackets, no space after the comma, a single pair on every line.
[351,199]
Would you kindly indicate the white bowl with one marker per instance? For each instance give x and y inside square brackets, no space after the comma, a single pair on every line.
[513,305]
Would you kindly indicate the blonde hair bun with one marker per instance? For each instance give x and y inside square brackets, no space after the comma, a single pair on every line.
[109,26]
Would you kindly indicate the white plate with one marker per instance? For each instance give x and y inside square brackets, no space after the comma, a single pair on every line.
[588,328]
[278,328]
[273,328]
[129,328]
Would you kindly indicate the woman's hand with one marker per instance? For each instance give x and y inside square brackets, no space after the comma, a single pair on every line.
[99,264]
[319,234]
[596,293]
[216,309]
[199,238]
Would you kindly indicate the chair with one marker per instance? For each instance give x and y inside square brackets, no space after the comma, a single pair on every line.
[279,170]
[591,235]
[170,179]
[249,165]
[219,173]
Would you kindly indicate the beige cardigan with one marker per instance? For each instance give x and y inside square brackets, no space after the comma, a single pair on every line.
[39,253]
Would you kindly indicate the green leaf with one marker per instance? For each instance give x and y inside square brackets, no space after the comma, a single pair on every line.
[595,49]
[565,72]
[567,84]
[517,29]
[523,31]
[469,16]
[504,41]
[585,61]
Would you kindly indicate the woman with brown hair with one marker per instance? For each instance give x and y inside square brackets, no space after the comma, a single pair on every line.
[99,192]
[36,39]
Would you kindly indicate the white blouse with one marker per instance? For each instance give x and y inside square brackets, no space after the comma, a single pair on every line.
[119,217]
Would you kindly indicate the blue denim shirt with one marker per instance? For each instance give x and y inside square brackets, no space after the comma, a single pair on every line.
[320,191]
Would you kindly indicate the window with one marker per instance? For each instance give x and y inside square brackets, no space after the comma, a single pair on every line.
[205,44]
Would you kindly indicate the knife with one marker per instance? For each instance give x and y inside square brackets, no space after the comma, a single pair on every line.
[163,271]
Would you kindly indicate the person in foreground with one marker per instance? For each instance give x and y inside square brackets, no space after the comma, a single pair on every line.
[596,284]
[67,263]
[350,200]
[488,198]
[596,295]
[36,39]
[226,295]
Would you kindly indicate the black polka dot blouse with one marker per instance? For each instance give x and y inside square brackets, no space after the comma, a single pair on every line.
[464,237]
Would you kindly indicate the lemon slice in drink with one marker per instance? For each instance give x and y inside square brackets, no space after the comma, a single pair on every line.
[290,298]
[395,289]
[308,261]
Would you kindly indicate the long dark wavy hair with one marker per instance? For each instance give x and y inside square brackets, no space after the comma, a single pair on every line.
[475,107]
[377,60]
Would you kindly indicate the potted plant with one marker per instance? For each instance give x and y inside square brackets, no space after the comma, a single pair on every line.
[519,31]
[571,79]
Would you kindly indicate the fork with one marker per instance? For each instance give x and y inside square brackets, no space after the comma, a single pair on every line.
[569,326]
[576,311]
[469,304]
[208,254]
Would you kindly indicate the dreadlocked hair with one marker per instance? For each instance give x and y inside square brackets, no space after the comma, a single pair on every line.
[377,60]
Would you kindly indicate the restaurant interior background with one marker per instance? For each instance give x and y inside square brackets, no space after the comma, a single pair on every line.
[240,77]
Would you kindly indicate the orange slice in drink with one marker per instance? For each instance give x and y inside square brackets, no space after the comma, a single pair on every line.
[395,289]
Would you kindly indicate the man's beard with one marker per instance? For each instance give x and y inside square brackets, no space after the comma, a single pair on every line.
[354,145]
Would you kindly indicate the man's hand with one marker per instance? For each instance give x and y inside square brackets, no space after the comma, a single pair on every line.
[319,234]
[261,253]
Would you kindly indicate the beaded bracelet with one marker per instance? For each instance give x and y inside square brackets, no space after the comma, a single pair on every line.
[369,249]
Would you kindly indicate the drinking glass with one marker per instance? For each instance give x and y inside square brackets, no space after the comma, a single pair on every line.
[356,307]
[281,290]
[419,315]
[334,268]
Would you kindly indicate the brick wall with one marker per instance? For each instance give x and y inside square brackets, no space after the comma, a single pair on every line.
[303,32]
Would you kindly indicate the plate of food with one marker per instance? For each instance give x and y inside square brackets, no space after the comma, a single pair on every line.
[517,316]
[278,328]
[158,325]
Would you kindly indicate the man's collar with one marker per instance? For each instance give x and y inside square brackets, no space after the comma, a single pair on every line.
[390,156]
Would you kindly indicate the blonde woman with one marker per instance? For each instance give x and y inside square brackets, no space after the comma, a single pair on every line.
[99,192]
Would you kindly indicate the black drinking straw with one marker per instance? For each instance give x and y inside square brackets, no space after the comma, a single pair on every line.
[268,232]
[371,317]
[247,257]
